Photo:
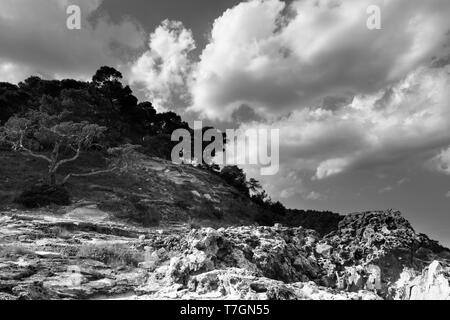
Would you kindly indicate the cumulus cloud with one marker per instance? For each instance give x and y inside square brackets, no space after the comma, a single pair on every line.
[405,129]
[162,71]
[278,58]
[441,162]
[35,40]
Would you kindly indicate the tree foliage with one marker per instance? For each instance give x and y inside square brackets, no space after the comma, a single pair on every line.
[104,101]
[36,132]
[251,188]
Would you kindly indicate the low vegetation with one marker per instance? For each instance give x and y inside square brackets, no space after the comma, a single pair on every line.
[133,209]
[111,254]
[13,251]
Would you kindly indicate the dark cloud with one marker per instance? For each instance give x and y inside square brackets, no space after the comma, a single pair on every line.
[245,114]
[35,40]
[196,15]
[336,102]
[441,62]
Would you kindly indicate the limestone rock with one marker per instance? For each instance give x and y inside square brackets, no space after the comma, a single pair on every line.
[371,255]
[432,284]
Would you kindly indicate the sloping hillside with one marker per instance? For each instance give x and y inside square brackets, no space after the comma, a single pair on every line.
[152,189]
[160,230]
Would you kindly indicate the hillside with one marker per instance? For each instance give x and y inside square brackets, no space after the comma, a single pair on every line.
[153,190]
[143,234]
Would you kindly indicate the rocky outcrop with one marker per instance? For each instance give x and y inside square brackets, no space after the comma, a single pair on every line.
[373,255]
[240,284]
[245,263]
[371,250]
[279,253]
[368,253]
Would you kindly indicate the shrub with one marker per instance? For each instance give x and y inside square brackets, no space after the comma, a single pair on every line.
[43,195]
[6,197]
[193,224]
[266,218]
[322,222]
[206,210]
[196,223]
[60,232]
[236,177]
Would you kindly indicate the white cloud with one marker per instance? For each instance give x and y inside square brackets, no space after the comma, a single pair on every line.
[277,62]
[288,193]
[11,72]
[441,162]
[386,189]
[377,130]
[447,195]
[35,40]
[331,167]
[162,71]
[314,196]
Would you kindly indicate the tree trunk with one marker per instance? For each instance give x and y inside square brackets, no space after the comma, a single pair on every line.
[52,178]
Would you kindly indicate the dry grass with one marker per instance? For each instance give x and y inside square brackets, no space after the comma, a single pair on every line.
[111,254]
[196,223]
[11,251]
[132,209]
[60,232]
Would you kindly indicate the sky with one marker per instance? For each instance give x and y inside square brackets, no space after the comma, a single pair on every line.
[363,114]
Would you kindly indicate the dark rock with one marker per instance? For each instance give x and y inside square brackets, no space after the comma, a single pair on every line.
[258,287]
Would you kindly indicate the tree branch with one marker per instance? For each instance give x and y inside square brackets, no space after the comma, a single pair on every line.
[70,175]
[31,153]
[64,161]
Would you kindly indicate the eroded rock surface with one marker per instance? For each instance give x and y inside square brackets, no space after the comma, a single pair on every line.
[432,284]
[374,255]
[372,249]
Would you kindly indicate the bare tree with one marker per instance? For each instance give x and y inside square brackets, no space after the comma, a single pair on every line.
[43,136]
